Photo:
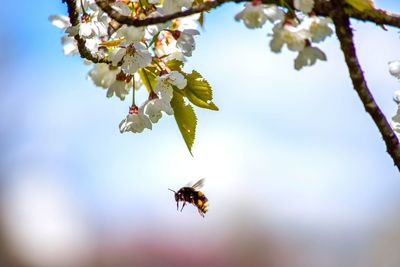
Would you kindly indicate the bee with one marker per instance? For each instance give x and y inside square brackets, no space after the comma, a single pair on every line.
[192,195]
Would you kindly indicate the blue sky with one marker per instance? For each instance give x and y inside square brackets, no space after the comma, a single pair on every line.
[291,146]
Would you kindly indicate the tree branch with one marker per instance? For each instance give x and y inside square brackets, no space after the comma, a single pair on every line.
[321,8]
[127,20]
[345,36]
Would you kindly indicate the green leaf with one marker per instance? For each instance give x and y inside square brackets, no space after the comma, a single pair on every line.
[148,79]
[198,91]
[154,39]
[174,64]
[185,118]
[145,3]
[361,5]
[201,19]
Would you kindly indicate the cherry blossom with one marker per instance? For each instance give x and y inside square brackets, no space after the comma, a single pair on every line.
[163,86]
[285,33]
[136,121]
[185,41]
[317,27]
[304,5]
[131,58]
[308,56]
[255,14]
[154,108]
[394,68]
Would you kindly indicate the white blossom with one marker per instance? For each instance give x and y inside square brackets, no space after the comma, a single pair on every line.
[132,57]
[102,75]
[308,56]
[255,14]
[136,121]
[120,85]
[185,41]
[87,4]
[168,50]
[93,45]
[284,33]
[396,118]
[189,22]
[119,88]
[154,108]
[131,33]
[317,27]
[122,8]
[164,83]
[396,121]
[60,21]
[68,42]
[93,26]
[69,45]
[304,6]
[172,6]
[394,68]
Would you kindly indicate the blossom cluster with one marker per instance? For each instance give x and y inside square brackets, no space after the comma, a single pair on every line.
[296,30]
[129,58]
[134,57]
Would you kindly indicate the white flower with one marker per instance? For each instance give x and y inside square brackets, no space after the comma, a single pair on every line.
[317,27]
[185,40]
[131,33]
[87,30]
[154,108]
[164,83]
[172,6]
[255,14]
[68,42]
[86,5]
[69,45]
[102,75]
[122,8]
[293,37]
[60,21]
[152,30]
[93,45]
[308,56]
[133,57]
[304,6]
[273,13]
[189,22]
[120,86]
[396,121]
[394,68]
[91,27]
[168,50]
[135,121]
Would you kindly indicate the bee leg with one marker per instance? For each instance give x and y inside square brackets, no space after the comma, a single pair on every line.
[177,205]
[184,203]
[201,213]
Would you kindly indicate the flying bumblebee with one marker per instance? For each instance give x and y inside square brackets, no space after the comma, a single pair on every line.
[192,195]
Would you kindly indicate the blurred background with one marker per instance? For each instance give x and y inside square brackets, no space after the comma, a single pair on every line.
[296,172]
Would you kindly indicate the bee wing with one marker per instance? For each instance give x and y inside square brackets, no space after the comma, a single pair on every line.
[199,184]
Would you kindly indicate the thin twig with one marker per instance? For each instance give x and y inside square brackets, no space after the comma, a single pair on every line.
[321,8]
[345,36]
